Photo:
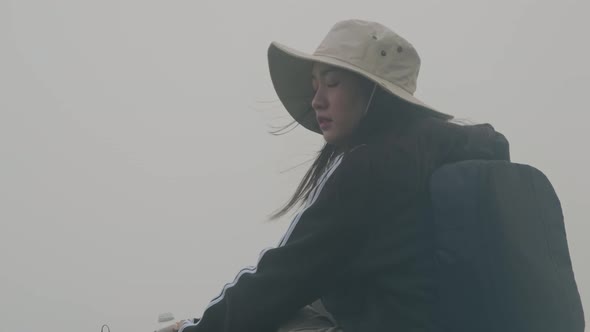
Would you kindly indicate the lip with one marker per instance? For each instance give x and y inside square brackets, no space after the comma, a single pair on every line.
[324,122]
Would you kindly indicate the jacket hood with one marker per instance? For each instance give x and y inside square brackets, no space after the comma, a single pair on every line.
[480,141]
[440,142]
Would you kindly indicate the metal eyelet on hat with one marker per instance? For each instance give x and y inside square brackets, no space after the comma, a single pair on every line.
[383,53]
[374,37]
[399,49]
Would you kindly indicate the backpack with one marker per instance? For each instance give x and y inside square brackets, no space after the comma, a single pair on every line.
[501,251]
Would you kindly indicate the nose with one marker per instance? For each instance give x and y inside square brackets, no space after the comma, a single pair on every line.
[319,101]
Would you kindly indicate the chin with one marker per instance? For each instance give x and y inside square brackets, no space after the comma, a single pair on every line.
[328,138]
[331,138]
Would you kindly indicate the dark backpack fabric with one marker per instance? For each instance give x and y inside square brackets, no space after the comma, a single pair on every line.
[501,251]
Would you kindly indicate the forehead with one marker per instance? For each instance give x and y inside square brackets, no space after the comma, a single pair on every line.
[320,69]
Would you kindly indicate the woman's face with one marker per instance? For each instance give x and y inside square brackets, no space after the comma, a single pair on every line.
[339,102]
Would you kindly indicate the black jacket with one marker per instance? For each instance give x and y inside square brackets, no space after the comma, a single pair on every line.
[363,242]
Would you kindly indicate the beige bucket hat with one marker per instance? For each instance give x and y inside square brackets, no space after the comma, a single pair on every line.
[366,48]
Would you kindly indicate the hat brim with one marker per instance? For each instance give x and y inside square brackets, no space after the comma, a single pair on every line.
[290,72]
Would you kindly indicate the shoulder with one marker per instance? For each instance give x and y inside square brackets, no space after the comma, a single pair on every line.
[377,163]
[444,141]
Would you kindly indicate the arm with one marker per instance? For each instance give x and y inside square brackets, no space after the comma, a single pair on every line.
[312,256]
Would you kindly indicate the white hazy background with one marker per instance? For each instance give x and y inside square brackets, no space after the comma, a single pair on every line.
[136,167]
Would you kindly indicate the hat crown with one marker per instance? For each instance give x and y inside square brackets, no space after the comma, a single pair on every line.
[375,49]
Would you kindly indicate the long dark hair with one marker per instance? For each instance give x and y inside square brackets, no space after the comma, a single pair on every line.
[388,116]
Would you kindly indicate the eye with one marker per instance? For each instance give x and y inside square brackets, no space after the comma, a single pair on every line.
[332,80]
[332,83]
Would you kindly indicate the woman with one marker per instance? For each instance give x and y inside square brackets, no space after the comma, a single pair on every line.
[362,241]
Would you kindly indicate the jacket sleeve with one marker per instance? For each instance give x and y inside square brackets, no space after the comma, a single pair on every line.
[313,254]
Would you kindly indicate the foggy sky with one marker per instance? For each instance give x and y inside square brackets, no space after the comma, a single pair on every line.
[136,165]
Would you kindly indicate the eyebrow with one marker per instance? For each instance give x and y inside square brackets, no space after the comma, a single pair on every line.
[325,72]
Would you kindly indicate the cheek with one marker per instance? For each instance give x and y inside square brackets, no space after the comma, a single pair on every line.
[348,110]
[342,104]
